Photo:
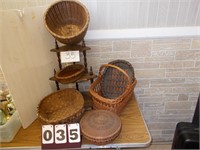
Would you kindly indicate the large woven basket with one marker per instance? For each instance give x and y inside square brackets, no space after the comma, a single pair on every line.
[67,21]
[70,73]
[64,106]
[114,87]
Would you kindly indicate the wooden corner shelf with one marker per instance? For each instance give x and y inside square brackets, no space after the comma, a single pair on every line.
[71,48]
[88,76]
[85,77]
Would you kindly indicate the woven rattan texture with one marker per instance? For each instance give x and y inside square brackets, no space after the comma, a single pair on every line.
[64,106]
[113,81]
[100,126]
[103,89]
[70,73]
[67,21]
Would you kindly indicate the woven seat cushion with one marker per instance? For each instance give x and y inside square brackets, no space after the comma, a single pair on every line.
[100,126]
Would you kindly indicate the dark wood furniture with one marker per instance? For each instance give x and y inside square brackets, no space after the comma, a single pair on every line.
[88,75]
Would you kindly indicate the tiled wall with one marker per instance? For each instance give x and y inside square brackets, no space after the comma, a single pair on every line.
[168,74]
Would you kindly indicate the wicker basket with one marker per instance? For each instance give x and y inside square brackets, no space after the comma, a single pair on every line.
[64,106]
[113,88]
[111,76]
[70,73]
[100,126]
[67,21]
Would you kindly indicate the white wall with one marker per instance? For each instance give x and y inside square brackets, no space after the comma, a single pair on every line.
[123,14]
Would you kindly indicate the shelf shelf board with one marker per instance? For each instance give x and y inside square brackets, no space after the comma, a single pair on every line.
[70,48]
[85,77]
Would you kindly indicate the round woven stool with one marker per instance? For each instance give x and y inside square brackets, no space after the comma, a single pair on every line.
[100,126]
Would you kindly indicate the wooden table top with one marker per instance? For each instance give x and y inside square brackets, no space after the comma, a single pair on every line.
[134,132]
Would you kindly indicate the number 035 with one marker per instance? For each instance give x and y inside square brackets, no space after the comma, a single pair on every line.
[60,134]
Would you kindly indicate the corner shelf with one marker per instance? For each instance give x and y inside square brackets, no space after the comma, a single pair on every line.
[88,75]
[71,48]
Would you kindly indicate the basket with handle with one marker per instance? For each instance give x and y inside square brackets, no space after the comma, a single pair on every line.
[112,89]
[67,21]
[111,75]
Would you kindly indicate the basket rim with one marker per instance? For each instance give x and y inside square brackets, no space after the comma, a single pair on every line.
[74,75]
[107,137]
[53,93]
[120,61]
[130,85]
[103,67]
[115,101]
[72,36]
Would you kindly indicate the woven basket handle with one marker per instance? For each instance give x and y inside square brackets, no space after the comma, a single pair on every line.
[116,67]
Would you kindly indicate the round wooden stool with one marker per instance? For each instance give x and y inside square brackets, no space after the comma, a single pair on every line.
[100,126]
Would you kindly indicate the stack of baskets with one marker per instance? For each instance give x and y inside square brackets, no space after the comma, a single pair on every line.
[67,21]
[114,86]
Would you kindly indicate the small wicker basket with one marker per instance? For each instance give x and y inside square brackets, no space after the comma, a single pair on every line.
[64,106]
[113,88]
[70,73]
[67,21]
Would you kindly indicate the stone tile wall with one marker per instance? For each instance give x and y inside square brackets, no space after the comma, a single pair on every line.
[168,74]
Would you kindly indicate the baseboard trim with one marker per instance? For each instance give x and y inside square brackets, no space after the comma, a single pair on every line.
[143,33]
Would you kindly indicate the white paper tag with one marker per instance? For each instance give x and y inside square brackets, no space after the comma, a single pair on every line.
[74,133]
[60,134]
[70,56]
[47,134]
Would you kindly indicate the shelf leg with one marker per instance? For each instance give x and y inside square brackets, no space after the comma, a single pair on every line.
[57,84]
[77,86]
[91,73]
[58,55]
[84,56]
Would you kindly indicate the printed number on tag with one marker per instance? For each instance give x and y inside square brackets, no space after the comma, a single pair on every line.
[60,134]
[47,134]
[70,56]
[74,133]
